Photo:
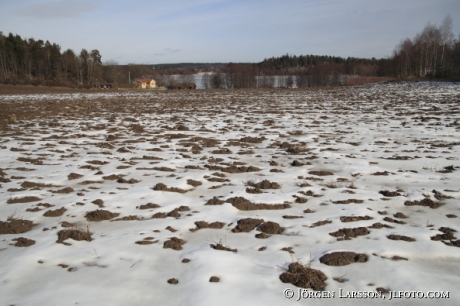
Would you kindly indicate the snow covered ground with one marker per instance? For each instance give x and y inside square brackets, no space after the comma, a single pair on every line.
[102,196]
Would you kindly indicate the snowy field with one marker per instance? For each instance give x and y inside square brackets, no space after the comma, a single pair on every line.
[230,197]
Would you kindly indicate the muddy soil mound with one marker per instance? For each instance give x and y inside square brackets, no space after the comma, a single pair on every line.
[73,234]
[163,187]
[304,277]
[148,206]
[204,224]
[64,190]
[400,237]
[355,201]
[214,201]
[100,215]
[387,193]
[242,203]
[425,202]
[55,213]
[174,243]
[23,242]
[247,224]
[342,258]
[354,218]
[265,184]
[350,232]
[16,227]
[270,228]
[194,183]
[321,173]
[22,200]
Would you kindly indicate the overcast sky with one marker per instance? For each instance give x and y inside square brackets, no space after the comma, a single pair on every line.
[176,31]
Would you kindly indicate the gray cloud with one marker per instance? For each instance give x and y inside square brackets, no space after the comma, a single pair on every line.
[57,9]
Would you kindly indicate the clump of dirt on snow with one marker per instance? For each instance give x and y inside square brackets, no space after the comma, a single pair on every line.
[342,258]
[174,243]
[100,215]
[16,226]
[304,277]
[73,234]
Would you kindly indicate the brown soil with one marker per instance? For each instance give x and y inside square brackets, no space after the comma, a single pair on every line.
[55,213]
[159,215]
[169,228]
[262,236]
[439,196]
[253,190]
[349,201]
[125,181]
[384,173]
[16,226]
[98,202]
[214,279]
[320,173]
[100,215]
[111,177]
[292,217]
[400,215]
[129,218]
[73,234]
[146,242]
[355,218]
[396,257]
[27,184]
[23,242]
[246,225]
[222,151]
[149,206]
[347,233]
[265,184]
[304,277]
[342,258]
[320,223]
[64,190]
[174,243]
[67,224]
[217,180]
[448,234]
[391,220]
[163,187]
[425,202]
[234,169]
[204,224]
[173,281]
[244,204]
[387,193]
[379,225]
[270,228]
[22,200]
[296,163]
[221,247]
[194,183]
[185,260]
[400,237]
[174,213]
[252,139]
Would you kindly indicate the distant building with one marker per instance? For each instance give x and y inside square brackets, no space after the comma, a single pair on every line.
[182,86]
[144,83]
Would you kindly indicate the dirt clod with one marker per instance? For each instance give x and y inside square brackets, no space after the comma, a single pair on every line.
[342,258]
[304,277]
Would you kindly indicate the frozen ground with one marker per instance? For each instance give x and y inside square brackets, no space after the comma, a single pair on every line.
[340,170]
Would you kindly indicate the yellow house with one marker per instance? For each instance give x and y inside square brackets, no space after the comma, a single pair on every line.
[145,83]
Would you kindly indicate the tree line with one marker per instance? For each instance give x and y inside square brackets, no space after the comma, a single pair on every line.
[432,53]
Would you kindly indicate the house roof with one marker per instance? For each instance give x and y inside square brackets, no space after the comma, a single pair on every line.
[144,80]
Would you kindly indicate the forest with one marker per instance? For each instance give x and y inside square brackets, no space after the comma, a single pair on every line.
[432,53]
